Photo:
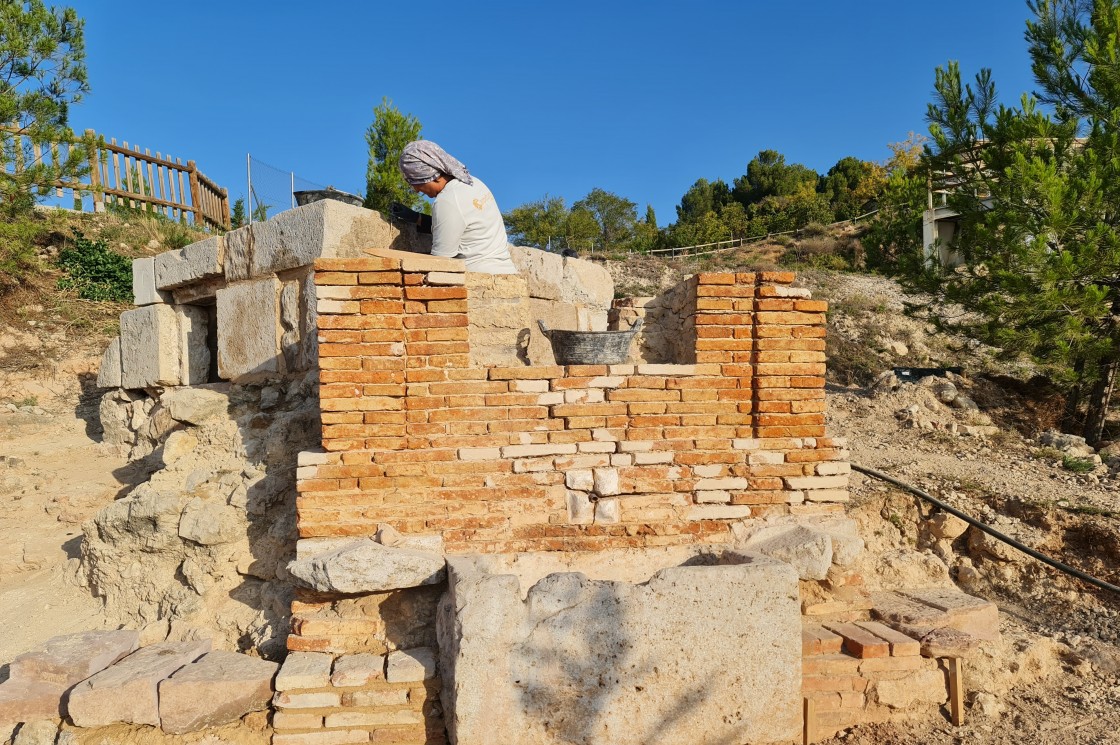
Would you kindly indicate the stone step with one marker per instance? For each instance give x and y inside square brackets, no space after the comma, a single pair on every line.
[848,601]
[219,688]
[817,640]
[29,701]
[947,622]
[66,660]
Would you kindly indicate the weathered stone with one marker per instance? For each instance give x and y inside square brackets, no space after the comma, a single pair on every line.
[128,690]
[924,686]
[606,482]
[248,319]
[30,700]
[178,444]
[944,525]
[354,670]
[948,642]
[847,544]
[303,670]
[972,615]
[238,254]
[144,291]
[193,263]
[210,523]
[65,660]
[109,373]
[599,662]
[367,566]
[150,347]
[194,356]
[569,280]
[195,405]
[556,315]
[290,331]
[806,550]
[410,665]
[219,688]
[37,733]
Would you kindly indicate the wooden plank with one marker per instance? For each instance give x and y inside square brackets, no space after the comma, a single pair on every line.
[152,200]
[128,175]
[151,176]
[116,169]
[956,691]
[196,194]
[160,171]
[809,733]
[94,171]
[138,164]
[182,191]
[55,159]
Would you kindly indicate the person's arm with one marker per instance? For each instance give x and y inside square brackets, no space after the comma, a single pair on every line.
[448,225]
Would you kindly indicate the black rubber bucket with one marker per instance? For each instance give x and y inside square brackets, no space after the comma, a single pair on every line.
[590,347]
[317,195]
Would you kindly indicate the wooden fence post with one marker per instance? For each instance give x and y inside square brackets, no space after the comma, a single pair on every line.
[196,194]
[93,152]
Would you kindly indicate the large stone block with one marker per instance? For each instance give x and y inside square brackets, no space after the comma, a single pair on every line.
[128,690]
[556,315]
[28,701]
[66,660]
[220,688]
[249,328]
[109,374]
[144,290]
[193,263]
[806,550]
[554,277]
[365,566]
[600,662]
[150,347]
[194,362]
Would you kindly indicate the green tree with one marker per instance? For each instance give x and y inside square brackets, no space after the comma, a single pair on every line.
[616,216]
[386,137]
[1038,194]
[538,223]
[42,74]
[238,216]
[768,175]
[701,198]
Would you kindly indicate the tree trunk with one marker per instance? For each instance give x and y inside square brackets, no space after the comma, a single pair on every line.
[1071,416]
[1099,398]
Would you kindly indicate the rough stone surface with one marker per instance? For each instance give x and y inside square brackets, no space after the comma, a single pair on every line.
[209,522]
[194,353]
[500,318]
[410,665]
[357,670]
[128,690]
[249,328]
[924,686]
[806,550]
[150,347]
[66,660]
[367,566]
[556,315]
[304,670]
[144,291]
[944,525]
[599,662]
[196,405]
[193,263]
[220,688]
[37,733]
[109,372]
[29,700]
[569,280]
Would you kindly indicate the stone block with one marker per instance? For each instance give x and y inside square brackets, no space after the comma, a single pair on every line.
[198,261]
[196,405]
[109,373]
[922,687]
[363,566]
[150,351]
[606,482]
[556,315]
[144,290]
[249,328]
[194,325]
[128,691]
[291,326]
[806,550]
[417,262]
[355,670]
[304,670]
[569,280]
[410,665]
[334,737]
[28,701]
[290,700]
[600,662]
[66,660]
[219,688]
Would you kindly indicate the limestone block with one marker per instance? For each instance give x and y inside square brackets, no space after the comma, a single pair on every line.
[43,732]
[249,328]
[303,670]
[806,550]
[144,291]
[499,315]
[554,277]
[581,510]
[65,660]
[193,263]
[195,405]
[410,665]
[236,262]
[922,687]
[210,522]
[327,228]
[219,688]
[290,326]
[556,315]
[29,700]
[150,351]
[941,525]
[109,374]
[599,662]
[364,566]
[128,690]
[194,360]
[353,670]
[309,324]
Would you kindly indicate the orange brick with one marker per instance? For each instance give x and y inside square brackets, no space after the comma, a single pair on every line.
[813,306]
[382,306]
[360,322]
[447,306]
[435,293]
[436,320]
[778,278]
[774,304]
[379,278]
[336,278]
[716,278]
[803,431]
[724,291]
[355,264]
[709,303]
[526,373]
[715,332]
[724,319]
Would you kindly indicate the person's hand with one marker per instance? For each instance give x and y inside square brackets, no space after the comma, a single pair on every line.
[404,214]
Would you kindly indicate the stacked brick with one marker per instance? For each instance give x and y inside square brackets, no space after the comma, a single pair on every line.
[575,458]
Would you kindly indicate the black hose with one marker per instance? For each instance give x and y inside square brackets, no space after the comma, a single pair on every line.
[990,531]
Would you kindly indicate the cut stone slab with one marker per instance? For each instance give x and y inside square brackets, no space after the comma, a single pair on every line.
[218,689]
[150,347]
[144,290]
[417,262]
[303,670]
[354,670]
[128,691]
[918,612]
[30,700]
[922,687]
[193,263]
[109,373]
[327,228]
[948,642]
[614,663]
[806,550]
[367,566]
[196,405]
[66,660]
[568,280]
[37,733]
[410,665]
[249,317]
[194,355]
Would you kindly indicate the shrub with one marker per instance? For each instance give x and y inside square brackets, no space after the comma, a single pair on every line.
[95,272]
[1078,465]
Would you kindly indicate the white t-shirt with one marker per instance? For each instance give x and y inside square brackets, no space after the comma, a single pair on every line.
[467,224]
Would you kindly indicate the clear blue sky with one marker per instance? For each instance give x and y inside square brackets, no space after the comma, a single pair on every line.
[639,98]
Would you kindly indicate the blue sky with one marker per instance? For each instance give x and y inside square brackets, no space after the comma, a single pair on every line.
[639,98]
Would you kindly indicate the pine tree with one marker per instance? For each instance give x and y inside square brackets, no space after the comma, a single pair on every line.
[386,137]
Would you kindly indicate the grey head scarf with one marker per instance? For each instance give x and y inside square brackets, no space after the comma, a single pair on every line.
[423,161]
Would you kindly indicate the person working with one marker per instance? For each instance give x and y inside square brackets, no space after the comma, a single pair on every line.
[466,222]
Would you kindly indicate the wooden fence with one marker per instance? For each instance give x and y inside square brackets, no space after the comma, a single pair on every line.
[123,176]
